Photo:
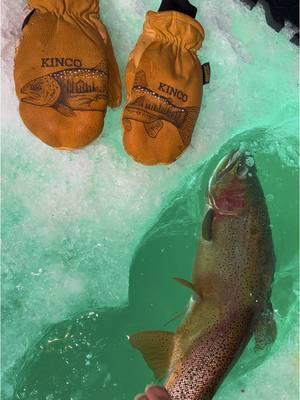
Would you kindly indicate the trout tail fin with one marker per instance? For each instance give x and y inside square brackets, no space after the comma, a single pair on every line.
[187,127]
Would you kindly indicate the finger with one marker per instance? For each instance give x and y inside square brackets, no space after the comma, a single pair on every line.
[157,393]
[141,397]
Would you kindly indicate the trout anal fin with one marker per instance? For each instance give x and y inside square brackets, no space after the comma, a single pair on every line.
[65,110]
[156,348]
[153,128]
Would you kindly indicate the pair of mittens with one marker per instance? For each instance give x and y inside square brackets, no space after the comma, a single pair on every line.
[65,72]
[66,75]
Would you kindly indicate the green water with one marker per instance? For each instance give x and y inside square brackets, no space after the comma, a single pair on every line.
[91,240]
[88,356]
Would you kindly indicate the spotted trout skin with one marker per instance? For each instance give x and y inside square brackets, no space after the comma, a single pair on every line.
[231,285]
[232,274]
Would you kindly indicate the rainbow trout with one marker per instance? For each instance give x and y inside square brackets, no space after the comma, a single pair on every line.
[231,285]
[81,89]
[152,109]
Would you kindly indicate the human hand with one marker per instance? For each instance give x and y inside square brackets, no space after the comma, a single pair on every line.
[153,393]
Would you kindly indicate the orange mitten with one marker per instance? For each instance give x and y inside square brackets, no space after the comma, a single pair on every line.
[65,72]
[164,81]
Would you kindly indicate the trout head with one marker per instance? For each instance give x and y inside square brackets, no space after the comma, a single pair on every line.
[230,185]
[43,91]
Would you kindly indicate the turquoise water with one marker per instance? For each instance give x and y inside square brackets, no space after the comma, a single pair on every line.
[91,240]
[88,355]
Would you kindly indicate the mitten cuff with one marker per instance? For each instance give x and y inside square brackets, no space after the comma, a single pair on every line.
[65,6]
[183,6]
[175,27]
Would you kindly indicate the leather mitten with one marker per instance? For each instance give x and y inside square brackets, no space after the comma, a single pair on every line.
[164,83]
[65,72]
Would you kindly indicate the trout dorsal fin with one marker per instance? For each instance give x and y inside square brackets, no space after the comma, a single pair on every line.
[207,225]
[156,348]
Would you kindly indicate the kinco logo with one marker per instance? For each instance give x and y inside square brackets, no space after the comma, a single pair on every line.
[163,87]
[60,62]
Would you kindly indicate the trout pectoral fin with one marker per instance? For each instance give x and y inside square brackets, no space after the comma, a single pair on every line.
[265,328]
[153,128]
[127,124]
[83,101]
[207,225]
[156,348]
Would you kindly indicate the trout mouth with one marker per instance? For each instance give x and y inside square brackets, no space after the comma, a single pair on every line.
[241,163]
[29,95]
[227,186]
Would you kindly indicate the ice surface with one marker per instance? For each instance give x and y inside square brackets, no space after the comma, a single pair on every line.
[72,222]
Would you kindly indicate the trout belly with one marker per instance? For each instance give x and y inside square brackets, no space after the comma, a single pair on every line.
[199,373]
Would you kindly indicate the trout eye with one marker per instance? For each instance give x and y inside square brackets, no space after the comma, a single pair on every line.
[242,171]
[36,86]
